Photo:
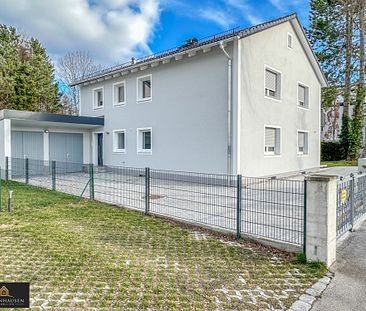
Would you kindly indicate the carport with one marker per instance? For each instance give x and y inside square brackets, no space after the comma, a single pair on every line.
[46,136]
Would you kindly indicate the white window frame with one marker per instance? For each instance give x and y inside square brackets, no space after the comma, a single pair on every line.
[279,83]
[306,147]
[96,107]
[140,99]
[115,141]
[115,87]
[139,132]
[288,41]
[307,95]
[272,154]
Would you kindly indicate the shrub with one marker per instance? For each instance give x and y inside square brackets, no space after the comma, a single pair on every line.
[332,151]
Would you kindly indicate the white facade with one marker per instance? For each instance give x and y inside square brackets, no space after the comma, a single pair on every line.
[187,107]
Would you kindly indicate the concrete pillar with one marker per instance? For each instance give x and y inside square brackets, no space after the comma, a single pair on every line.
[321,218]
[46,146]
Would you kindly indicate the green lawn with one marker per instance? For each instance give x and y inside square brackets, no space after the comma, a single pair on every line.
[339,163]
[93,255]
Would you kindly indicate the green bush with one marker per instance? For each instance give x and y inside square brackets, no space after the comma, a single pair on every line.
[332,151]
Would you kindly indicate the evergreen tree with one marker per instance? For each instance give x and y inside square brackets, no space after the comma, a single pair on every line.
[26,74]
[333,33]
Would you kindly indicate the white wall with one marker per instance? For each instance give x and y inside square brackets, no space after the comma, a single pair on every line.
[269,47]
[5,143]
[188,115]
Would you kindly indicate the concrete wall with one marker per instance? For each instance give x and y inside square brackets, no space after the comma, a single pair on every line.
[5,141]
[188,115]
[270,48]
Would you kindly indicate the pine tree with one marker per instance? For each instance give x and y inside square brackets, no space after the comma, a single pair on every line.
[27,80]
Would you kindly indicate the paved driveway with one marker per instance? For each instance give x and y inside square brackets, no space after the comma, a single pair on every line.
[348,288]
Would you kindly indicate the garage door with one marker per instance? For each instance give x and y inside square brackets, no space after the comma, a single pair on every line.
[67,150]
[29,145]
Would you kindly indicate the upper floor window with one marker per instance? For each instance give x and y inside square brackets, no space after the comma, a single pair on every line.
[302,142]
[289,41]
[272,84]
[302,96]
[144,140]
[119,141]
[144,88]
[119,93]
[98,98]
[272,140]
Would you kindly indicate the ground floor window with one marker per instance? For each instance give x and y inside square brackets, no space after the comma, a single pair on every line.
[119,141]
[144,140]
[272,140]
[302,142]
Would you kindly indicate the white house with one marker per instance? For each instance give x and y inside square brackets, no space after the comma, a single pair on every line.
[243,101]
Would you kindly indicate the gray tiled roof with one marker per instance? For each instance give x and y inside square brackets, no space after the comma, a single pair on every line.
[171,52]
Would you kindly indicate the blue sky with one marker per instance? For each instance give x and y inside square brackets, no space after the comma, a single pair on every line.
[113,31]
[180,20]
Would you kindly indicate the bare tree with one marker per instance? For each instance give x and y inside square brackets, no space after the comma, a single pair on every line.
[71,67]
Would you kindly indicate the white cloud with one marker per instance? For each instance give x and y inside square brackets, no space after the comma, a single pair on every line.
[112,30]
[219,17]
[285,6]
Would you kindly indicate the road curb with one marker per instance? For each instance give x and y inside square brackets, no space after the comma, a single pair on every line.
[306,300]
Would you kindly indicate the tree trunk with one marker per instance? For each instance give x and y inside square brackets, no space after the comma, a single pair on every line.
[362,42]
[349,35]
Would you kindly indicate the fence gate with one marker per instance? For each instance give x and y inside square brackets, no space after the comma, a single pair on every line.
[351,202]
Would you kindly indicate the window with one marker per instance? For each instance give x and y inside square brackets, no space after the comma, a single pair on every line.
[119,93]
[272,138]
[119,141]
[302,142]
[272,83]
[302,96]
[98,98]
[144,88]
[289,41]
[144,140]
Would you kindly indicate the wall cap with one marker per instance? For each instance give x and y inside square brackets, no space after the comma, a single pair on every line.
[320,178]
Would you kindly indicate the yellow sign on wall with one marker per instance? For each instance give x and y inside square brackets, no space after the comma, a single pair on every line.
[344,195]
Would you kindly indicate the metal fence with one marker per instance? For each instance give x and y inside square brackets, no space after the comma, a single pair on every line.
[351,202]
[258,207]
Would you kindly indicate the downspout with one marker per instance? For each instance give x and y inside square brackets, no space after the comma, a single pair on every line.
[229,110]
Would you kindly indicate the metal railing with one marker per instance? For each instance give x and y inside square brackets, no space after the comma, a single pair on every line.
[256,207]
[351,202]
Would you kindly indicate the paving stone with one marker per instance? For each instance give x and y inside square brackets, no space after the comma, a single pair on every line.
[326,280]
[307,298]
[313,292]
[319,286]
[300,306]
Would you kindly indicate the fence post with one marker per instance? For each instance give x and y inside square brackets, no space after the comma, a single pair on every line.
[1,190]
[26,170]
[321,218]
[352,200]
[6,168]
[91,180]
[305,214]
[53,174]
[147,190]
[239,187]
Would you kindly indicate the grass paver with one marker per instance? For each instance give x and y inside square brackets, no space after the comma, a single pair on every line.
[92,255]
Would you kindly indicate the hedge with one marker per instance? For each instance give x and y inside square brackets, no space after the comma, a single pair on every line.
[332,151]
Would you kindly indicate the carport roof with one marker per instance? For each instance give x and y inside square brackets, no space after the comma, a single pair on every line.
[49,117]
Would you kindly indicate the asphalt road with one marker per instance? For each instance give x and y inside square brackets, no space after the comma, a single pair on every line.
[347,291]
